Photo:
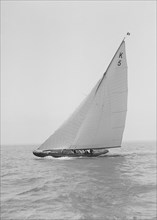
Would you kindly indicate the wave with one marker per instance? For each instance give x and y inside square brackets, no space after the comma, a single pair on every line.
[35,189]
[60,158]
[82,157]
[8,174]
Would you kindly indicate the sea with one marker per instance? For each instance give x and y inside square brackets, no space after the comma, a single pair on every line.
[118,186]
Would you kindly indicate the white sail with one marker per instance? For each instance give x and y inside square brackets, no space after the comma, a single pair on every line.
[99,121]
[64,136]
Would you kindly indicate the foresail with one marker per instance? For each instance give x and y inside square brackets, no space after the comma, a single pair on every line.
[64,136]
[105,121]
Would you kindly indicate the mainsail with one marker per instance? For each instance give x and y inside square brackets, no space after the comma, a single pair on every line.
[100,119]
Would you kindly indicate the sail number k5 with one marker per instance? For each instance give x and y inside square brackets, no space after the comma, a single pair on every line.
[120,59]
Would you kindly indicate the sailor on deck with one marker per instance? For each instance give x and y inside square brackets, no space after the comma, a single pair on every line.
[91,151]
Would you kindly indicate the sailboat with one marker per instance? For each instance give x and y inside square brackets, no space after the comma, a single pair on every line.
[98,123]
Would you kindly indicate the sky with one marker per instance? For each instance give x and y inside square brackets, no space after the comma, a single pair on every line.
[53,53]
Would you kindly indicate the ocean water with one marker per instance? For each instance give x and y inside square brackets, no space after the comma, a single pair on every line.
[118,186]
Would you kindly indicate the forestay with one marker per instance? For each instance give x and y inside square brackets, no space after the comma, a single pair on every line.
[100,119]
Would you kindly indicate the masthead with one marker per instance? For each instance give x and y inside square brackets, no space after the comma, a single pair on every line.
[127,34]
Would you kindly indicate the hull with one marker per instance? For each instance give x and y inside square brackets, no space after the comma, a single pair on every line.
[69,153]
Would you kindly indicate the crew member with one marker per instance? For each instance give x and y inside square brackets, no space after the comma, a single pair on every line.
[91,151]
